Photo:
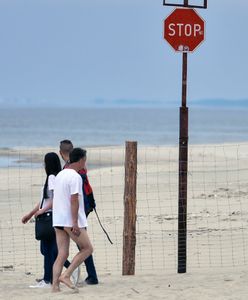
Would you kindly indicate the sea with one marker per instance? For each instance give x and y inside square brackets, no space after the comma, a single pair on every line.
[40,127]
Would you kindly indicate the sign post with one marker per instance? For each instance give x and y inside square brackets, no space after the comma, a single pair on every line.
[184,31]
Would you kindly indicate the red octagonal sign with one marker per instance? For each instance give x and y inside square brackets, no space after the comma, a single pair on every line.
[184,29]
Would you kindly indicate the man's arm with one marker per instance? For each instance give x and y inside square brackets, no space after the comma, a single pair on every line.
[74,213]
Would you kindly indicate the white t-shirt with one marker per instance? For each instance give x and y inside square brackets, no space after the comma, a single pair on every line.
[50,189]
[68,182]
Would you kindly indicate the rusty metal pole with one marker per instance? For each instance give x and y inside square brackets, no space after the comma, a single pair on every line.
[183,156]
[183,169]
[129,230]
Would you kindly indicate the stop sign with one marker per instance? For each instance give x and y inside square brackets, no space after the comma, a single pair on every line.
[184,29]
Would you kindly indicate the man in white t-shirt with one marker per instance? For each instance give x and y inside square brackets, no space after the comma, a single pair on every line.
[69,219]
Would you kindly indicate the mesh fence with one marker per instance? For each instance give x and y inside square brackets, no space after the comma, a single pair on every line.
[217,207]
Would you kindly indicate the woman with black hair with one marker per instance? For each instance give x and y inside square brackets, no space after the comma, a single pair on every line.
[48,248]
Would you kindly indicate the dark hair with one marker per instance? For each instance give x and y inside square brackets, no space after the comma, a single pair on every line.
[76,154]
[52,167]
[66,146]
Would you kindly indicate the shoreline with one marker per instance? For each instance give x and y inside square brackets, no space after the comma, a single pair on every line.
[108,146]
[32,157]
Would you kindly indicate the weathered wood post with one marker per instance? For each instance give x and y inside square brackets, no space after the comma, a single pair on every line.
[129,230]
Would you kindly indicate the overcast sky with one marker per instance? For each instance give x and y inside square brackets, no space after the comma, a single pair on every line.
[83,50]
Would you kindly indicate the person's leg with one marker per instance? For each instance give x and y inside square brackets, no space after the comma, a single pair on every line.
[86,250]
[42,251]
[67,263]
[63,242]
[48,260]
[91,270]
[54,254]
[41,248]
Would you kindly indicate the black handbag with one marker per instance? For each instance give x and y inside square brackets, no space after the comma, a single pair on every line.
[44,226]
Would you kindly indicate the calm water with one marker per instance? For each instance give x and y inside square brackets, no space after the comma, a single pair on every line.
[93,127]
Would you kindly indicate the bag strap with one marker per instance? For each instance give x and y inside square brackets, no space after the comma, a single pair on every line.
[42,202]
[103,227]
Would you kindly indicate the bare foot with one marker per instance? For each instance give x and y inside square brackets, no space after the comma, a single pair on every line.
[55,289]
[66,280]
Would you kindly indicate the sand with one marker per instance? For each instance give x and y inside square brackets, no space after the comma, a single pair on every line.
[217,224]
[228,284]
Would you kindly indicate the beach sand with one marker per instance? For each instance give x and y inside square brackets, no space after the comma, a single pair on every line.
[217,224]
[228,284]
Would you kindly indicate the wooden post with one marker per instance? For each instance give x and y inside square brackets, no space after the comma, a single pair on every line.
[129,230]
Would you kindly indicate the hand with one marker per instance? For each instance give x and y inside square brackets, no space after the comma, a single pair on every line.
[75,230]
[26,218]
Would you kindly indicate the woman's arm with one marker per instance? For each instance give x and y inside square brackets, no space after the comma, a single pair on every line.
[49,204]
[29,215]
